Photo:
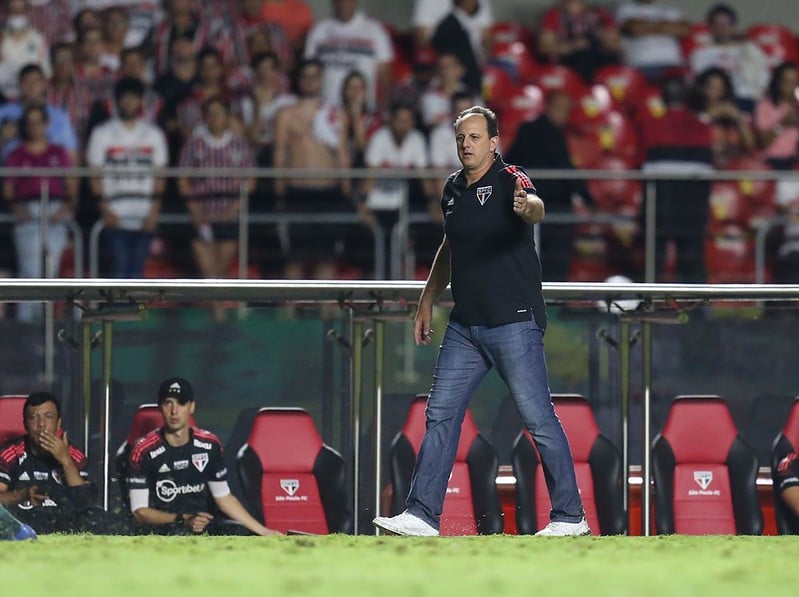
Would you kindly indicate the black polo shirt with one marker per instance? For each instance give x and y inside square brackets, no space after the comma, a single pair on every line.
[495,271]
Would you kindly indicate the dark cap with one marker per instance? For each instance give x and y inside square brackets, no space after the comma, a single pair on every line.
[177,388]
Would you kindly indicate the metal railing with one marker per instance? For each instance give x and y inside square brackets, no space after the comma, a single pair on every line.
[399,233]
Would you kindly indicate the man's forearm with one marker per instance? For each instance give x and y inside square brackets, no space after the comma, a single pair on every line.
[12,497]
[439,276]
[156,517]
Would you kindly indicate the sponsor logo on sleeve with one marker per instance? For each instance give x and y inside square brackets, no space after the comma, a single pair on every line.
[203,445]
[157,452]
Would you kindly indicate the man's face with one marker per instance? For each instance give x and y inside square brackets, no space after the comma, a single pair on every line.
[210,70]
[402,123]
[344,9]
[132,65]
[129,106]
[722,27]
[558,109]
[475,147]
[216,118]
[176,415]
[310,81]
[32,88]
[40,421]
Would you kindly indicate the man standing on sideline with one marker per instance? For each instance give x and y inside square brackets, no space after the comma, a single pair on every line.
[178,478]
[499,317]
[129,201]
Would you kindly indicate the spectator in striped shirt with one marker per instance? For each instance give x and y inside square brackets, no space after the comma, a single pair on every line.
[213,201]
[210,83]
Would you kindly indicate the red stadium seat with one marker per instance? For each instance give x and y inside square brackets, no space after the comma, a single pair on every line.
[597,464]
[698,37]
[498,86]
[786,442]
[525,105]
[625,84]
[11,416]
[511,47]
[705,474]
[290,478]
[730,256]
[776,41]
[616,196]
[761,193]
[585,150]
[649,104]
[556,77]
[591,110]
[728,205]
[503,34]
[472,503]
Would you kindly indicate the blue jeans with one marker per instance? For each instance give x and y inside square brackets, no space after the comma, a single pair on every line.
[465,357]
[28,245]
[129,250]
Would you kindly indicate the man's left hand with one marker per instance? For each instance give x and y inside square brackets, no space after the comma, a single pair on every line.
[521,205]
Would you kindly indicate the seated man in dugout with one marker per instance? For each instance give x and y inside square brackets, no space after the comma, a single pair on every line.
[43,478]
[788,482]
[178,478]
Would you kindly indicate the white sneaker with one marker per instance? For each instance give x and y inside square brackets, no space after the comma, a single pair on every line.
[405,524]
[565,529]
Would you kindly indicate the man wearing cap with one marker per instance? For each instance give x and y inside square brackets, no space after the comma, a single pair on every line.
[178,478]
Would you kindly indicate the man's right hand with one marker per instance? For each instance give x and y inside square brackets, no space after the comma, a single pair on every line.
[422,333]
[197,522]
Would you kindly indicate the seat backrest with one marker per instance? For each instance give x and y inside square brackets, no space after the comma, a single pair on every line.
[786,442]
[597,465]
[705,473]
[11,411]
[471,505]
[290,478]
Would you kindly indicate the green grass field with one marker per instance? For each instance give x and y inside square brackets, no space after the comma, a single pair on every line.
[383,566]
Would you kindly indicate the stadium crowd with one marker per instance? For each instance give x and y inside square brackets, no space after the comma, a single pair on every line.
[212,83]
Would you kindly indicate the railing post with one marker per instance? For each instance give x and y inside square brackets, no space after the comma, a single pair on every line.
[46,264]
[650,231]
[646,421]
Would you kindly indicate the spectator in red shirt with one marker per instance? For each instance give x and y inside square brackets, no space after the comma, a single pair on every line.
[681,142]
[294,16]
[580,36]
[23,194]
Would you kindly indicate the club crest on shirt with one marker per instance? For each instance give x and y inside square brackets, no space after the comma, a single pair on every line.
[199,461]
[483,193]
